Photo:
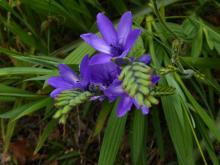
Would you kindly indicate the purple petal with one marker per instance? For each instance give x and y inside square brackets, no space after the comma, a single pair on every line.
[124,27]
[58,82]
[100,58]
[155,79]
[84,72]
[96,42]
[104,73]
[145,59]
[57,91]
[145,110]
[124,106]
[67,74]
[107,29]
[132,37]
[114,90]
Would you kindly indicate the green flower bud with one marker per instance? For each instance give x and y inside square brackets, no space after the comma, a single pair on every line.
[144,89]
[124,72]
[57,114]
[141,75]
[66,109]
[62,103]
[144,82]
[147,103]
[152,99]
[133,90]
[142,69]
[140,98]
[62,120]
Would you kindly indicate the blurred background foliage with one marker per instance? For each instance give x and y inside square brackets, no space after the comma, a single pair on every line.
[183,38]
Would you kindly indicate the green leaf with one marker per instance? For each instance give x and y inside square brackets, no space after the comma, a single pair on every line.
[138,138]
[178,125]
[77,55]
[202,62]
[10,90]
[197,45]
[164,90]
[23,35]
[9,132]
[158,132]
[103,114]
[112,138]
[54,8]
[119,5]
[43,137]
[15,112]
[23,70]
[201,112]
[34,107]
[208,39]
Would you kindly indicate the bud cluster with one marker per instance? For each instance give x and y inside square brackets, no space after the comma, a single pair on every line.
[136,81]
[68,99]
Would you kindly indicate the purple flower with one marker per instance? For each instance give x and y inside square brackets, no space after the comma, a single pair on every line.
[92,75]
[114,43]
[68,79]
[101,73]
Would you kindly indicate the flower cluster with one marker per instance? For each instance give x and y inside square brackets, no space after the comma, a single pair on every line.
[110,73]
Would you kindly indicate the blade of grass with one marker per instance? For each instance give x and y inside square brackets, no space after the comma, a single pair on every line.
[34,107]
[43,137]
[112,138]
[158,132]
[138,139]
[201,112]
[102,118]
[23,71]
[197,45]
[77,55]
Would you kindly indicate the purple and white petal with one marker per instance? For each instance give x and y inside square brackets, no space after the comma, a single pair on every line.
[96,42]
[146,58]
[124,106]
[124,27]
[132,37]
[107,29]
[67,74]
[155,79]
